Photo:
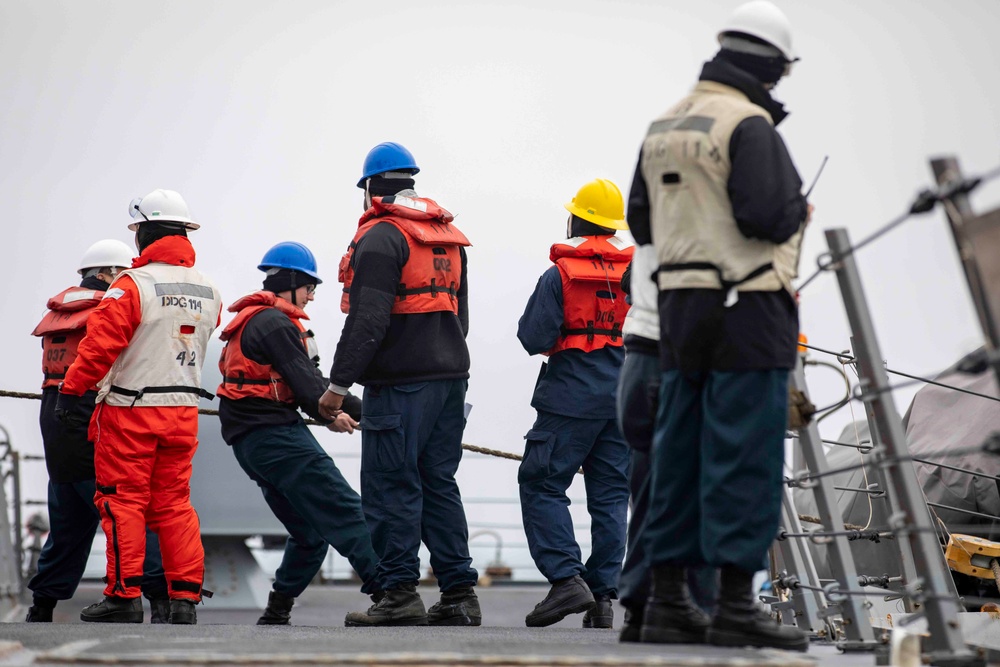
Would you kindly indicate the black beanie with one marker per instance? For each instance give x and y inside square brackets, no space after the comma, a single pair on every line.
[580,227]
[379,186]
[766,70]
[150,231]
[287,280]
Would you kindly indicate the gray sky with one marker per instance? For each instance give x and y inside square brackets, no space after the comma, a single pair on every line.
[260,114]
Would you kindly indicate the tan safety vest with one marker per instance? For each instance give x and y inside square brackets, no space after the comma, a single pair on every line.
[162,363]
[686,165]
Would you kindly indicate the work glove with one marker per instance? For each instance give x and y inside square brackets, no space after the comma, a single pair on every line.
[68,412]
[800,409]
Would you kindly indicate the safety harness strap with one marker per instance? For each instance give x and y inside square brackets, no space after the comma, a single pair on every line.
[433,289]
[138,394]
[240,380]
[614,333]
[708,266]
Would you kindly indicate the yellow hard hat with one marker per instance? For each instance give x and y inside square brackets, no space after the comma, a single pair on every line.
[600,202]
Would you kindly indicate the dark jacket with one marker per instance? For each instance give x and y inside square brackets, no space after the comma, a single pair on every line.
[269,337]
[764,188]
[379,348]
[573,383]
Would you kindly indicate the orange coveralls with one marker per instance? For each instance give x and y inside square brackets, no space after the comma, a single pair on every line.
[142,452]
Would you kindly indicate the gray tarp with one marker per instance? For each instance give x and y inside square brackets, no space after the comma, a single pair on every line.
[939,422]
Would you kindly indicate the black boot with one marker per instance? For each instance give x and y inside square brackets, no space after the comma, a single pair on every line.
[40,610]
[400,606]
[632,628]
[458,606]
[182,612]
[671,616]
[567,596]
[159,610]
[602,615]
[278,610]
[738,621]
[114,610]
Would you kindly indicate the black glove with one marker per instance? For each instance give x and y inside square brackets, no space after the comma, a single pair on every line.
[67,410]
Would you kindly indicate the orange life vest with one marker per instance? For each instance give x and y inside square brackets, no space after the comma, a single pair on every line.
[432,275]
[594,305]
[62,329]
[243,377]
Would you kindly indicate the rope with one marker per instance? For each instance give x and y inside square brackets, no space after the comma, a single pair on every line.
[310,422]
[20,394]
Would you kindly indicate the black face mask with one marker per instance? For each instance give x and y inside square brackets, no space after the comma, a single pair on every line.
[766,70]
[150,232]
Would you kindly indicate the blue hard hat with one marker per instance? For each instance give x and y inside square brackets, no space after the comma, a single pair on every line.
[290,255]
[387,156]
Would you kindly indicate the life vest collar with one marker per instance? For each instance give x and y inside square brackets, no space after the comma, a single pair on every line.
[75,298]
[413,208]
[258,300]
[608,247]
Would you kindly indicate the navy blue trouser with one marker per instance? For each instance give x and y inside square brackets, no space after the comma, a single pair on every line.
[411,446]
[73,522]
[555,448]
[310,497]
[717,468]
[638,396]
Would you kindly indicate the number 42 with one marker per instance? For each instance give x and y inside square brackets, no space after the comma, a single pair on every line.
[183,356]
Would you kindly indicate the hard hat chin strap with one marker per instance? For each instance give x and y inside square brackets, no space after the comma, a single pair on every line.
[135,207]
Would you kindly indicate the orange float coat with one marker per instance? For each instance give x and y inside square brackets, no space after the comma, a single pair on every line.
[145,428]
[243,377]
[433,273]
[62,329]
[594,305]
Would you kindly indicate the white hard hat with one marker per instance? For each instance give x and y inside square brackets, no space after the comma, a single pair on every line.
[105,254]
[160,206]
[763,20]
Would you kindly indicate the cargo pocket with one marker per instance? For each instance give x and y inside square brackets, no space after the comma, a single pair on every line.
[383,443]
[537,456]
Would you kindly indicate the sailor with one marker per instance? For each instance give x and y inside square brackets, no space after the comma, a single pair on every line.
[716,189]
[147,340]
[406,298]
[574,317]
[638,397]
[69,455]
[269,371]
